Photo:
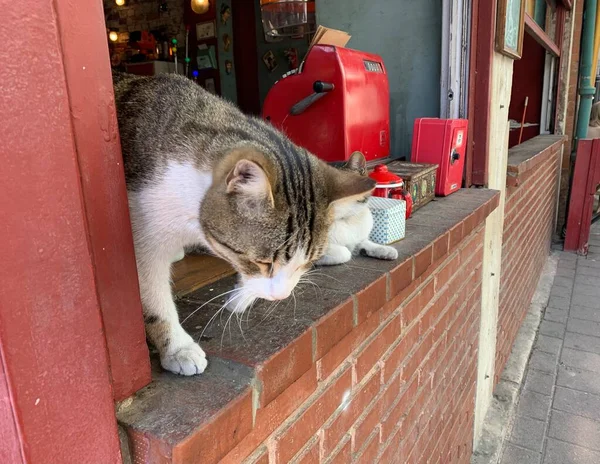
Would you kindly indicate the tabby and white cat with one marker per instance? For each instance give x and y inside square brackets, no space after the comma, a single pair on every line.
[353,221]
[199,171]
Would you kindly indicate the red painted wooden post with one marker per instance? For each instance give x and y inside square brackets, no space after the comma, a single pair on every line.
[480,88]
[586,178]
[89,83]
[56,399]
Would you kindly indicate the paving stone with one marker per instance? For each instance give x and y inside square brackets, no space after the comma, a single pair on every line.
[577,402]
[561,292]
[570,265]
[542,361]
[559,302]
[548,344]
[582,342]
[584,279]
[588,314]
[514,455]
[586,301]
[528,433]
[588,290]
[579,379]
[575,429]
[560,281]
[552,329]
[540,382]
[587,272]
[556,315]
[581,360]
[534,405]
[561,272]
[560,452]
[588,262]
[584,327]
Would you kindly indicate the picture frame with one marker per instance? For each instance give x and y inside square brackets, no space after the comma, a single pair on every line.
[270,61]
[206,30]
[510,28]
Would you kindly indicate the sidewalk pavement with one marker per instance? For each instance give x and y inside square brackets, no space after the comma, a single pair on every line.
[558,414]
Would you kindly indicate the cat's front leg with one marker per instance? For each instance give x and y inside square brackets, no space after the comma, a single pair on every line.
[335,254]
[178,351]
[374,250]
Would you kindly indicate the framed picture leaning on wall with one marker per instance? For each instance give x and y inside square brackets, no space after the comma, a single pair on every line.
[510,25]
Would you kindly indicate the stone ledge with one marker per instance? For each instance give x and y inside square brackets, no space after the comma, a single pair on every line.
[526,156]
[254,359]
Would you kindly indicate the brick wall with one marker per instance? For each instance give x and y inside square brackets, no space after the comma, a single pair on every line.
[528,225]
[399,387]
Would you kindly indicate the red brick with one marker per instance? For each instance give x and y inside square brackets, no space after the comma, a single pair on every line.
[447,272]
[333,327]
[230,425]
[290,441]
[263,459]
[285,367]
[269,417]
[371,299]
[410,367]
[440,247]
[400,352]
[310,455]
[456,236]
[344,455]
[401,277]
[336,356]
[373,352]
[369,454]
[423,260]
[358,403]
[397,411]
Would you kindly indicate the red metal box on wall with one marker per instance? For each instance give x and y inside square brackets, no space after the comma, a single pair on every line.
[337,103]
[442,142]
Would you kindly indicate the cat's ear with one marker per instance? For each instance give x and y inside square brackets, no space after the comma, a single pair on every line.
[347,186]
[357,162]
[249,179]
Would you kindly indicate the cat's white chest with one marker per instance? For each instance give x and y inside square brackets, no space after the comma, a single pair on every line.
[170,207]
[352,226]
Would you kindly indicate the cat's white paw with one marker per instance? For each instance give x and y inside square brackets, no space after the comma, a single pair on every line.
[179,256]
[190,359]
[381,252]
[335,255]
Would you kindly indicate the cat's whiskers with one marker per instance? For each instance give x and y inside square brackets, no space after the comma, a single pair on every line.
[220,310]
[205,303]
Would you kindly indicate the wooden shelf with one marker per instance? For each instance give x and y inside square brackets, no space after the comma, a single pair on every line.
[197,271]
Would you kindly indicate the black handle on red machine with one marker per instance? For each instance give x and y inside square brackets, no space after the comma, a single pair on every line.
[320,90]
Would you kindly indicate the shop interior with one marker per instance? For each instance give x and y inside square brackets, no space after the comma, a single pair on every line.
[233,48]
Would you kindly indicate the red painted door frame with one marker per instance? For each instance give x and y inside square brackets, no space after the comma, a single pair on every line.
[71,329]
[586,178]
[482,50]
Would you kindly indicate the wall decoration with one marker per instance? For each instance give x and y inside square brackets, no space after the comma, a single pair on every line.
[292,56]
[226,42]
[228,66]
[225,13]
[206,30]
[270,61]
[209,84]
[510,27]
[206,57]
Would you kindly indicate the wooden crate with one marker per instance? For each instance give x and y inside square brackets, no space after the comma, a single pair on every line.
[419,180]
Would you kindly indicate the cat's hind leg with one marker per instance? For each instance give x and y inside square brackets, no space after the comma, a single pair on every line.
[374,250]
[335,254]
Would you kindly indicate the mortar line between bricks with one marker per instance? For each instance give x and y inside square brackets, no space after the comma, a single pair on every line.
[558,361]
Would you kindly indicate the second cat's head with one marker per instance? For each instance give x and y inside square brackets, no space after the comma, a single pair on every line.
[269,215]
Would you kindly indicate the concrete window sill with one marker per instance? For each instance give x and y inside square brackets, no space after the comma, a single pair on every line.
[263,366]
[524,158]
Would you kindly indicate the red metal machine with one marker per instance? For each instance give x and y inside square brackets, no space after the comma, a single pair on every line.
[337,103]
[442,142]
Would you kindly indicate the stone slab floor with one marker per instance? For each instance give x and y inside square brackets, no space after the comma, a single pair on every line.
[558,414]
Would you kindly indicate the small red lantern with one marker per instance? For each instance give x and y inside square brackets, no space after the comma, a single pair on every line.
[390,185]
